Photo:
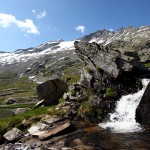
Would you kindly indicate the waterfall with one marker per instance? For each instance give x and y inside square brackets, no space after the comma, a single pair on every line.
[123,119]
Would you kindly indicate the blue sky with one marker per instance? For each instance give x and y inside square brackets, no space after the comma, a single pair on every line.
[29,23]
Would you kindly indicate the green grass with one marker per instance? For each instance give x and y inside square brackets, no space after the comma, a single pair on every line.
[86,110]
[22,89]
[15,121]
[23,105]
[147,65]
[111,92]
[34,115]
[89,70]
[72,74]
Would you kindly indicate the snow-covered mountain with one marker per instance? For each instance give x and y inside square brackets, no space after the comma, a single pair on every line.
[129,34]
[56,55]
[24,55]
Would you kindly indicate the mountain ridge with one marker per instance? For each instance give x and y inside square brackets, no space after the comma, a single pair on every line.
[55,52]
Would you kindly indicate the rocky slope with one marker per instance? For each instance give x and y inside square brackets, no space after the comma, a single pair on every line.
[49,57]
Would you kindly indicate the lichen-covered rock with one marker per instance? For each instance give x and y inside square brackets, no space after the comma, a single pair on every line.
[143,110]
[51,91]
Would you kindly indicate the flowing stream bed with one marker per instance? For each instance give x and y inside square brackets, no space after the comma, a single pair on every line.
[121,130]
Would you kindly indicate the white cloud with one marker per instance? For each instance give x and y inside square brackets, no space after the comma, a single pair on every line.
[80,28]
[41,14]
[33,11]
[27,25]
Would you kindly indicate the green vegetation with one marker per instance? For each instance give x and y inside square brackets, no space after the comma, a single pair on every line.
[16,121]
[33,115]
[23,105]
[72,74]
[72,92]
[147,65]
[61,100]
[21,89]
[8,75]
[111,92]
[99,69]
[86,110]
[89,70]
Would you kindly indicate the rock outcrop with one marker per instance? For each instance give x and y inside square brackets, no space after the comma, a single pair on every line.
[111,61]
[51,91]
[143,110]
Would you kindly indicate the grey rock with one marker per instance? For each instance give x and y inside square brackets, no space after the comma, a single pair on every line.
[19,111]
[13,134]
[51,91]
[52,119]
[36,128]
[54,131]
[143,109]
[10,101]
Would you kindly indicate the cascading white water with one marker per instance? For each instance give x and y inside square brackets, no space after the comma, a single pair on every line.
[123,119]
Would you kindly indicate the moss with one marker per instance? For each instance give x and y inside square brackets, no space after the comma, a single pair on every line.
[86,110]
[111,92]
[89,70]
[59,112]
[61,100]
[99,69]
[147,65]
[72,92]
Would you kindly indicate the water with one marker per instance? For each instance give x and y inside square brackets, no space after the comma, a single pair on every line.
[123,119]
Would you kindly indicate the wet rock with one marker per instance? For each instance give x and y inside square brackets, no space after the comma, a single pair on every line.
[13,134]
[51,91]
[143,110]
[20,111]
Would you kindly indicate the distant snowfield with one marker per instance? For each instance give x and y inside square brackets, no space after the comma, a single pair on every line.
[20,56]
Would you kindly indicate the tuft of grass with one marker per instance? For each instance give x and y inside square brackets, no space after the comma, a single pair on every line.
[147,65]
[86,110]
[99,69]
[111,92]
[89,70]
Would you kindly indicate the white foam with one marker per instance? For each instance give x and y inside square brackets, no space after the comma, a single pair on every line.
[123,119]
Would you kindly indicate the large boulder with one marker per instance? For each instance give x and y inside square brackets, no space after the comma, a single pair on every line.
[51,91]
[143,110]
